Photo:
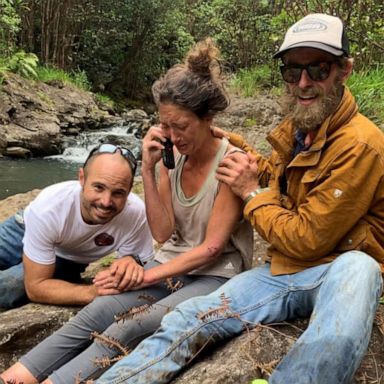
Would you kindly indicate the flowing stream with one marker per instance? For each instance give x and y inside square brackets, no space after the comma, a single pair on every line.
[17,176]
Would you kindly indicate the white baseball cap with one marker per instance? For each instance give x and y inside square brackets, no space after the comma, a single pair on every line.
[319,31]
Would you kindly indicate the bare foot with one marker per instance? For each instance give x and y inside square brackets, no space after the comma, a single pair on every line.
[18,374]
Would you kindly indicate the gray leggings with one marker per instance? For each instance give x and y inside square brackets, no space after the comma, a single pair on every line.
[69,354]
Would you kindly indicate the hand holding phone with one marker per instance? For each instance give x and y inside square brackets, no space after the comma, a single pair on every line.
[167,154]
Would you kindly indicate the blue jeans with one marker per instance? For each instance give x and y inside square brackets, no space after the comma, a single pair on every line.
[12,293]
[341,297]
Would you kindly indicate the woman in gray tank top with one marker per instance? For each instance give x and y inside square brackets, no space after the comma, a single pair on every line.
[198,220]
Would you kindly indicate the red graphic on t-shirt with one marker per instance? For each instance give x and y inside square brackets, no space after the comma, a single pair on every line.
[104,239]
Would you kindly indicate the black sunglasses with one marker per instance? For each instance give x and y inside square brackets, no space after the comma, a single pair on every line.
[111,148]
[316,71]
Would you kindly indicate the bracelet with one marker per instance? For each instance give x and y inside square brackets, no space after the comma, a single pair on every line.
[252,195]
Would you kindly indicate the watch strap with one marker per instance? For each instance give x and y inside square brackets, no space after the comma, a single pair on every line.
[252,195]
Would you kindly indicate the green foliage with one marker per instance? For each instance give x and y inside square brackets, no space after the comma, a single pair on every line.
[107,261]
[104,99]
[249,82]
[248,32]
[50,74]
[9,26]
[25,64]
[3,69]
[80,79]
[124,45]
[367,86]
[47,74]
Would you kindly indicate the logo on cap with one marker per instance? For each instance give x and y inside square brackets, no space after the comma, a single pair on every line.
[310,26]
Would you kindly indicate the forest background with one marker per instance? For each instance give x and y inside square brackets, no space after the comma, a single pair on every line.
[117,49]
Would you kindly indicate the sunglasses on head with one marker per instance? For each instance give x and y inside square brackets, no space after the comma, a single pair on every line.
[111,148]
[316,71]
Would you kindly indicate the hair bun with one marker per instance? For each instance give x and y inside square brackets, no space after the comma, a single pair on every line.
[203,59]
[195,84]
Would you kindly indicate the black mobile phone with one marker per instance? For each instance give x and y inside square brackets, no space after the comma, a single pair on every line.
[167,153]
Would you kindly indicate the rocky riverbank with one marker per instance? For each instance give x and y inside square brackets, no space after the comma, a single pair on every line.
[36,119]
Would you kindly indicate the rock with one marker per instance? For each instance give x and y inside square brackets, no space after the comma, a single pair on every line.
[94,268]
[12,204]
[256,352]
[17,152]
[23,328]
[37,115]
[135,115]
[253,118]
[118,140]
[3,143]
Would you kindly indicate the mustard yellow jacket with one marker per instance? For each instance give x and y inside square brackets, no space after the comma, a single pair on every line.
[333,197]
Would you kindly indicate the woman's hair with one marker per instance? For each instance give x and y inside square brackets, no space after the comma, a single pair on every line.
[195,84]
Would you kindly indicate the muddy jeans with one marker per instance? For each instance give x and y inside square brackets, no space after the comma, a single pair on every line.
[70,354]
[341,298]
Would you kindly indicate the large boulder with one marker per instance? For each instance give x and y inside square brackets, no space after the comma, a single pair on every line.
[23,328]
[35,116]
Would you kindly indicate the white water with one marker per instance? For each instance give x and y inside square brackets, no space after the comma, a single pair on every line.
[18,176]
[78,150]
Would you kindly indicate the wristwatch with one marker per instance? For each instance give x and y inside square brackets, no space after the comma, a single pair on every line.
[137,259]
[252,195]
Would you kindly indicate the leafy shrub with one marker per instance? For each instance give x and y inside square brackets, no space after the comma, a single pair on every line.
[249,82]
[3,69]
[104,99]
[79,78]
[25,64]
[367,86]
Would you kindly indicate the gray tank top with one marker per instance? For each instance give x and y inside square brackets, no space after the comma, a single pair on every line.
[191,220]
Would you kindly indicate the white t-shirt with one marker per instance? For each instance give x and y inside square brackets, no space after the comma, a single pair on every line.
[54,226]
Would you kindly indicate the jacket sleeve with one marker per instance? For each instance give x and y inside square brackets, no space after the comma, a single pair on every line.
[338,198]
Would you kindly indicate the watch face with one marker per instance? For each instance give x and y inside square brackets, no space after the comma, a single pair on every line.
[104,239]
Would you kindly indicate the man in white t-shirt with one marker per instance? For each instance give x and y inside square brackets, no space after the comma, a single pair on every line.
[71,224]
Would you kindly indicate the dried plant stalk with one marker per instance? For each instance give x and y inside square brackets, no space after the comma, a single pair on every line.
[133,312]
[110,343]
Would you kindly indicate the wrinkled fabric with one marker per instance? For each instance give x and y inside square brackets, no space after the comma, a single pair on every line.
[329,351]
[333,197]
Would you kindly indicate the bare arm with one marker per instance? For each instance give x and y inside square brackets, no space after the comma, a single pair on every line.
[224,217]
[41,287]
[157,196]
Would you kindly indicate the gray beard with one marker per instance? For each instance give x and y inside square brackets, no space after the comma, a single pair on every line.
[307,119]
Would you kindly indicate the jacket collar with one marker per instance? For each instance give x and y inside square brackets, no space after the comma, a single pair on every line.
[282,138]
